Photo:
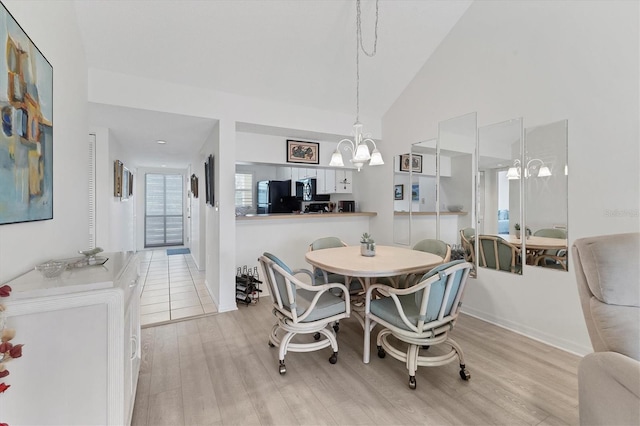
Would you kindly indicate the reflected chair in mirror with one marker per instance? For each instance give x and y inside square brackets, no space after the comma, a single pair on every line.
[606,269]
[466,235]
[551,258]
[419,317]
[496,253]
[302,309]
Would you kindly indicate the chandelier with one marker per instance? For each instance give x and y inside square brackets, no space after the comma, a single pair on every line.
[533,169]
[359,148]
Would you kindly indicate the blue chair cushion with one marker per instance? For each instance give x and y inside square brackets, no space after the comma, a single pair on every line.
[327,306]
[280,280]
[386,309]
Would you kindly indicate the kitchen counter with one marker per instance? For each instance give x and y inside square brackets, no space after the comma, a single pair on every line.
[294,216]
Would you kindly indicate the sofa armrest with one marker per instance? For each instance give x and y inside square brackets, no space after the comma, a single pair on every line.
[609,389]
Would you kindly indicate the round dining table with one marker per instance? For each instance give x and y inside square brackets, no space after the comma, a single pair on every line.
[388,262]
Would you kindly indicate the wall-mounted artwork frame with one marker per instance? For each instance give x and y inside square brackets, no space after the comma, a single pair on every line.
[125,184]
[194,185]
[130,183]
[26,139]
[209,173]
[398,192]
[117,178]
[415,192]
[416,163]
[303,152]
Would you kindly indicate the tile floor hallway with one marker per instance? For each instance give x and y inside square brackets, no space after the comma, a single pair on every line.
[173,288]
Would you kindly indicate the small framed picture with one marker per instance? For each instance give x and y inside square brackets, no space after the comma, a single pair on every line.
[398,192]
[117,178]
[416,163]
[415,192]
[303,152]
[194,185]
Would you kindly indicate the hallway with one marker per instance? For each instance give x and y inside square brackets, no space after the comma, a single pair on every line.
[173,288]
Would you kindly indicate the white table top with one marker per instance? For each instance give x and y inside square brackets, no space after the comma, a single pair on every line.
[388,261]
[536,243]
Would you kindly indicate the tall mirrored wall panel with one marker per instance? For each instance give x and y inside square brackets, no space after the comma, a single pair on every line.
[499,201]
[545,171]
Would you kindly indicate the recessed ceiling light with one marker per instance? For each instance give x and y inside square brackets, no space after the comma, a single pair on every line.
[164,165]
[161,142]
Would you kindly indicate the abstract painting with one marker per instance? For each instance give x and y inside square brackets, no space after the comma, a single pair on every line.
[26,139]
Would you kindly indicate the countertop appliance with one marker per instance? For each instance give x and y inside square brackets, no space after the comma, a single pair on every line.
[306,191]
[274,196]
[317,208]
[346,206]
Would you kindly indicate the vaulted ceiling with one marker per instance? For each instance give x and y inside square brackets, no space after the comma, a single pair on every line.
[300,52]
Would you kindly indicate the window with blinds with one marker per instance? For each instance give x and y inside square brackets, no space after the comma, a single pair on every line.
[244,189]
[163,210]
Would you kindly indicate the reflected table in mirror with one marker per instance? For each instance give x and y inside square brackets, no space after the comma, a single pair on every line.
[537,248]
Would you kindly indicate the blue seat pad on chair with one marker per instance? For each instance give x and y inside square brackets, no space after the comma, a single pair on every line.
[328,305]
[386,309]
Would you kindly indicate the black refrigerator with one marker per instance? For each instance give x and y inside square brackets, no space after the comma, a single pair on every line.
[274,196]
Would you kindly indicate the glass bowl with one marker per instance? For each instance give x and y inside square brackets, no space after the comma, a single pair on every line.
[52,269]
[455,208]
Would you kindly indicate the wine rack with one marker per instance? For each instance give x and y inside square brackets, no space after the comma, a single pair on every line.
[247,285]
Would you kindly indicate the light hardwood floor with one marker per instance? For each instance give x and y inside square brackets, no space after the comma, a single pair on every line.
[219,370]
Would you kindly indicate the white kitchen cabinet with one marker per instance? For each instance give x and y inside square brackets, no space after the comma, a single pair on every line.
[344,181]
[82,350]
[325,181]
[283,173]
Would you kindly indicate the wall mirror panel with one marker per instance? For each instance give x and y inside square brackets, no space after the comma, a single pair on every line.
[546,194]
[457,143]
[499,198]
[423,190]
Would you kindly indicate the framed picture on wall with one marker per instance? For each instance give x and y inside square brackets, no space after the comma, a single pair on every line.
[415,192]
[130,183]
[398,192]
[209,182]
[416,163]
[117,178]
[303,152]
[194,185]
[26,145]
[125,184]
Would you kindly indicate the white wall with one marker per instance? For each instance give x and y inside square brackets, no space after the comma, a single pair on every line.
[26,244]
[198,213]
[543,61]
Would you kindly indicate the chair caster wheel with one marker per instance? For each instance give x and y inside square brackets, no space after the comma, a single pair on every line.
[464,374]
[282,368]
[412,382]
[271,345]
[381,352]
[333,358]
[336,328]
[316,336]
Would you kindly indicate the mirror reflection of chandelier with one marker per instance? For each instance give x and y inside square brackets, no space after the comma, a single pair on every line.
[535,168]
[360,153]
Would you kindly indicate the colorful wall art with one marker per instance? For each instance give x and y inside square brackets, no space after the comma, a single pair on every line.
[26,138]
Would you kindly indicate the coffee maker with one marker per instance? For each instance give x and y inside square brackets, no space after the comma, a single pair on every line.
[347,206]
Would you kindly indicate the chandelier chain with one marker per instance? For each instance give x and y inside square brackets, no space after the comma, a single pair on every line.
[360,45]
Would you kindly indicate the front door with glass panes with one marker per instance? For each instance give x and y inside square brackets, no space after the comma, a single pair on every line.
[164,221]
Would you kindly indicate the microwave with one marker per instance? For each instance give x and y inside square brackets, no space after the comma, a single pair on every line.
[306,191]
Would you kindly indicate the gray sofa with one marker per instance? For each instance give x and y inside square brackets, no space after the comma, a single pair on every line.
[608,275]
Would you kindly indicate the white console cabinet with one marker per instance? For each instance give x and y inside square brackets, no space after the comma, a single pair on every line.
[81,336]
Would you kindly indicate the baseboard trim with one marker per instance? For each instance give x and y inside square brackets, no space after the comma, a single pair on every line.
[524,330]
